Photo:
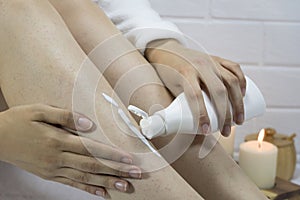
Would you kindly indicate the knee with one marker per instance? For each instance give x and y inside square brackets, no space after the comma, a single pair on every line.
[70,4]
[21,13]
[19,7]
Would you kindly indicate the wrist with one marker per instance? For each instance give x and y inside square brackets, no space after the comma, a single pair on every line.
[155,48]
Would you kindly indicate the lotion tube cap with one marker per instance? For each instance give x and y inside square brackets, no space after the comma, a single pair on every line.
[153,126]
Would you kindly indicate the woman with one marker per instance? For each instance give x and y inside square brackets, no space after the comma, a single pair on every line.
[43,51]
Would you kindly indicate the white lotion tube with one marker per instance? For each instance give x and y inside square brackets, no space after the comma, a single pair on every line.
[177,117]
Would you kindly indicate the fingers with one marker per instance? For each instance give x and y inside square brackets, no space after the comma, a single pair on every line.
[226,130]
[65,118]
[108,182]
[195,100]
[219,97]
[235,82]
[88,147]
[235,95]
[221,90]
[235,69]
[100,166]
[99,191]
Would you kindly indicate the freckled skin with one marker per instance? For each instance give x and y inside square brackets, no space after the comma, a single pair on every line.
[39,62]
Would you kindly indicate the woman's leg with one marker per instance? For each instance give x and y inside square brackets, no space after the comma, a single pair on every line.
[215,176]
[42,63]
[123,66]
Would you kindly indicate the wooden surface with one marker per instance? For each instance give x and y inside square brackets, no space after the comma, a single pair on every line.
[283,190]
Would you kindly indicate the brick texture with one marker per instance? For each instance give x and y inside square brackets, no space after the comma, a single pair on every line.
[274,10]
[282,42]
[180,8]
[240,42]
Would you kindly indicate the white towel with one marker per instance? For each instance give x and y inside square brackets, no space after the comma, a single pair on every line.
[139,22]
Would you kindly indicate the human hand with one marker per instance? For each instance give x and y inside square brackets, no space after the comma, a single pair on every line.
[30,140]
[189,71]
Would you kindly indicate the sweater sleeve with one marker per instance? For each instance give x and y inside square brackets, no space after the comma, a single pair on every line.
[139,22]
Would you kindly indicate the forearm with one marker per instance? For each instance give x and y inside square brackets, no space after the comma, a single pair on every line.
[154,50]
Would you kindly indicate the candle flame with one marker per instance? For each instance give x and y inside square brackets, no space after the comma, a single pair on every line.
[261,136]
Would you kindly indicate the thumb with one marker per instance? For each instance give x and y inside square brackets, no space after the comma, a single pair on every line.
[67,119]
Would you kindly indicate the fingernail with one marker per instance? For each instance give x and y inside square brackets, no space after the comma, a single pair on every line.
[240,118]
[100,193]
[135,173]
[227,130]
[121,186]
[243,91]
[205,129]
[126,160]
[85,123]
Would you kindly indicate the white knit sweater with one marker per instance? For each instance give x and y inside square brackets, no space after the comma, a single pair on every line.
[139,22]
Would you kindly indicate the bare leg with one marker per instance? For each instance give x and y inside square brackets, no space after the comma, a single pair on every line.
[214,177]
[40,62]
[123,66]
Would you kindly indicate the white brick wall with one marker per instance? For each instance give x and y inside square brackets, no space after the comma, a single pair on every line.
[282,42]
[219,38]
[263,36]
[181,8]
[262,10]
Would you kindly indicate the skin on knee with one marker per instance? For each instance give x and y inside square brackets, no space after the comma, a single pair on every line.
[42,63]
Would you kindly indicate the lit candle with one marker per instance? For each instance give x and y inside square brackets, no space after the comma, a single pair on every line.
[258,159]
